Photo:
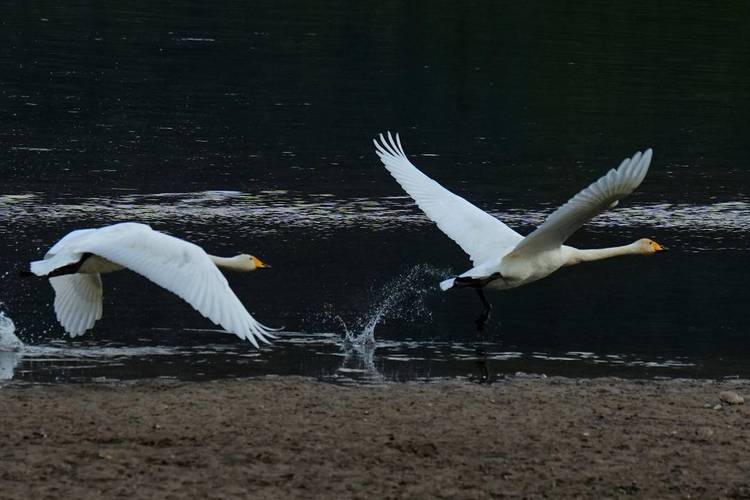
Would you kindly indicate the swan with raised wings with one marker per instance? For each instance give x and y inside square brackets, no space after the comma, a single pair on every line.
[74,265]
[502,257]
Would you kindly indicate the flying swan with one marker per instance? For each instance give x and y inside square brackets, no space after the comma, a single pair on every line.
[74,265]
[503,258]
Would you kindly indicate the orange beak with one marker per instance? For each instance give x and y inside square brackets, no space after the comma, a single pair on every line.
[259,264]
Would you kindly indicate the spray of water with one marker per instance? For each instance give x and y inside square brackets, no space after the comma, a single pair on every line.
[361,359]
[403,297]
[8,339]
[10,345]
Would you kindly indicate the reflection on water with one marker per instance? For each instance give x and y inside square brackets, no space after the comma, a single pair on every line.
[324,356]
[270,210]
[359,363]
[243,131]
[370,346]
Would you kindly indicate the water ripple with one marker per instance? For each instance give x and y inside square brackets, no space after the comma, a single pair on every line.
[322,355]
[269,210]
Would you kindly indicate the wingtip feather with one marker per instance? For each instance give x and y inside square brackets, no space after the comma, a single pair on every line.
[647,157]
[389,145]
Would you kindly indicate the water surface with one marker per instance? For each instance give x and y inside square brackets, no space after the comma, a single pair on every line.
[248,129]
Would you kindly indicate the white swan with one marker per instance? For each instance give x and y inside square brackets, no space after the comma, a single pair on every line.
[503,258]
[74,264]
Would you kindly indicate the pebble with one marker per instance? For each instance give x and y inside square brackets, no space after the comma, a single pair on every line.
[731,397]
[704,432]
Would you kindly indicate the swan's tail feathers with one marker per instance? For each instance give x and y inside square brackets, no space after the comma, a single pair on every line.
[468,282]
[447,284]
[57,265]
[39,268]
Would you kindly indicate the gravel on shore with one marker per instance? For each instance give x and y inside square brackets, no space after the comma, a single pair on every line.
[298,438]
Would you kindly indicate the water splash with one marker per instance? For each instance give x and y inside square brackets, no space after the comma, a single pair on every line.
[8,362]
[8,339]
[10,347]
[359,360]
[403,297]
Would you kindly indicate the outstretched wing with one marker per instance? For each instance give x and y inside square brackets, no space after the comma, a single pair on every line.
[182,268]
[599,196]
[478,233]
[78,301]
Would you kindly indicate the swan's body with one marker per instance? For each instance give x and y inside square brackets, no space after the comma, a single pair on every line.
[74,265]
[519,269]
[502,257]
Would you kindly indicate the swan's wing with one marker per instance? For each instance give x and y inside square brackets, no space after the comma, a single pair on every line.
[182,268]
[478,233]
[584,206]
[78,301]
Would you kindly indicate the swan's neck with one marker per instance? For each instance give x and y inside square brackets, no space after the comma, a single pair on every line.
[577,256]
[233,263]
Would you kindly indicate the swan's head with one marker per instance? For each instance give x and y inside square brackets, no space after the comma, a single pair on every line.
[251,262]
[647,246]
[241,263]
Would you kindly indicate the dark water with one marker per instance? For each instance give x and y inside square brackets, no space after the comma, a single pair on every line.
[247,128]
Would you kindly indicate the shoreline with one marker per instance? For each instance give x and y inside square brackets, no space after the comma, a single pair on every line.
[300,438]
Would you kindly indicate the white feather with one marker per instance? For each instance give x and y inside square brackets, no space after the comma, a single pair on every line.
[78,301]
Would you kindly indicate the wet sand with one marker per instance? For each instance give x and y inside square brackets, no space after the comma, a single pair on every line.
[297,438]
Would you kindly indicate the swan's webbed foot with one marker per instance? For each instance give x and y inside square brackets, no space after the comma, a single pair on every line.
[481,321]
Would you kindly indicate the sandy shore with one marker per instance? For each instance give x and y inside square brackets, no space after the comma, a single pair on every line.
[282,438]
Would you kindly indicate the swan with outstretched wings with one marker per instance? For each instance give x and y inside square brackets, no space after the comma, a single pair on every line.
[75,263]
[502,257]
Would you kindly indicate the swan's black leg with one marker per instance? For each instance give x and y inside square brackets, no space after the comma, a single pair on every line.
[486,311]
[477,284]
